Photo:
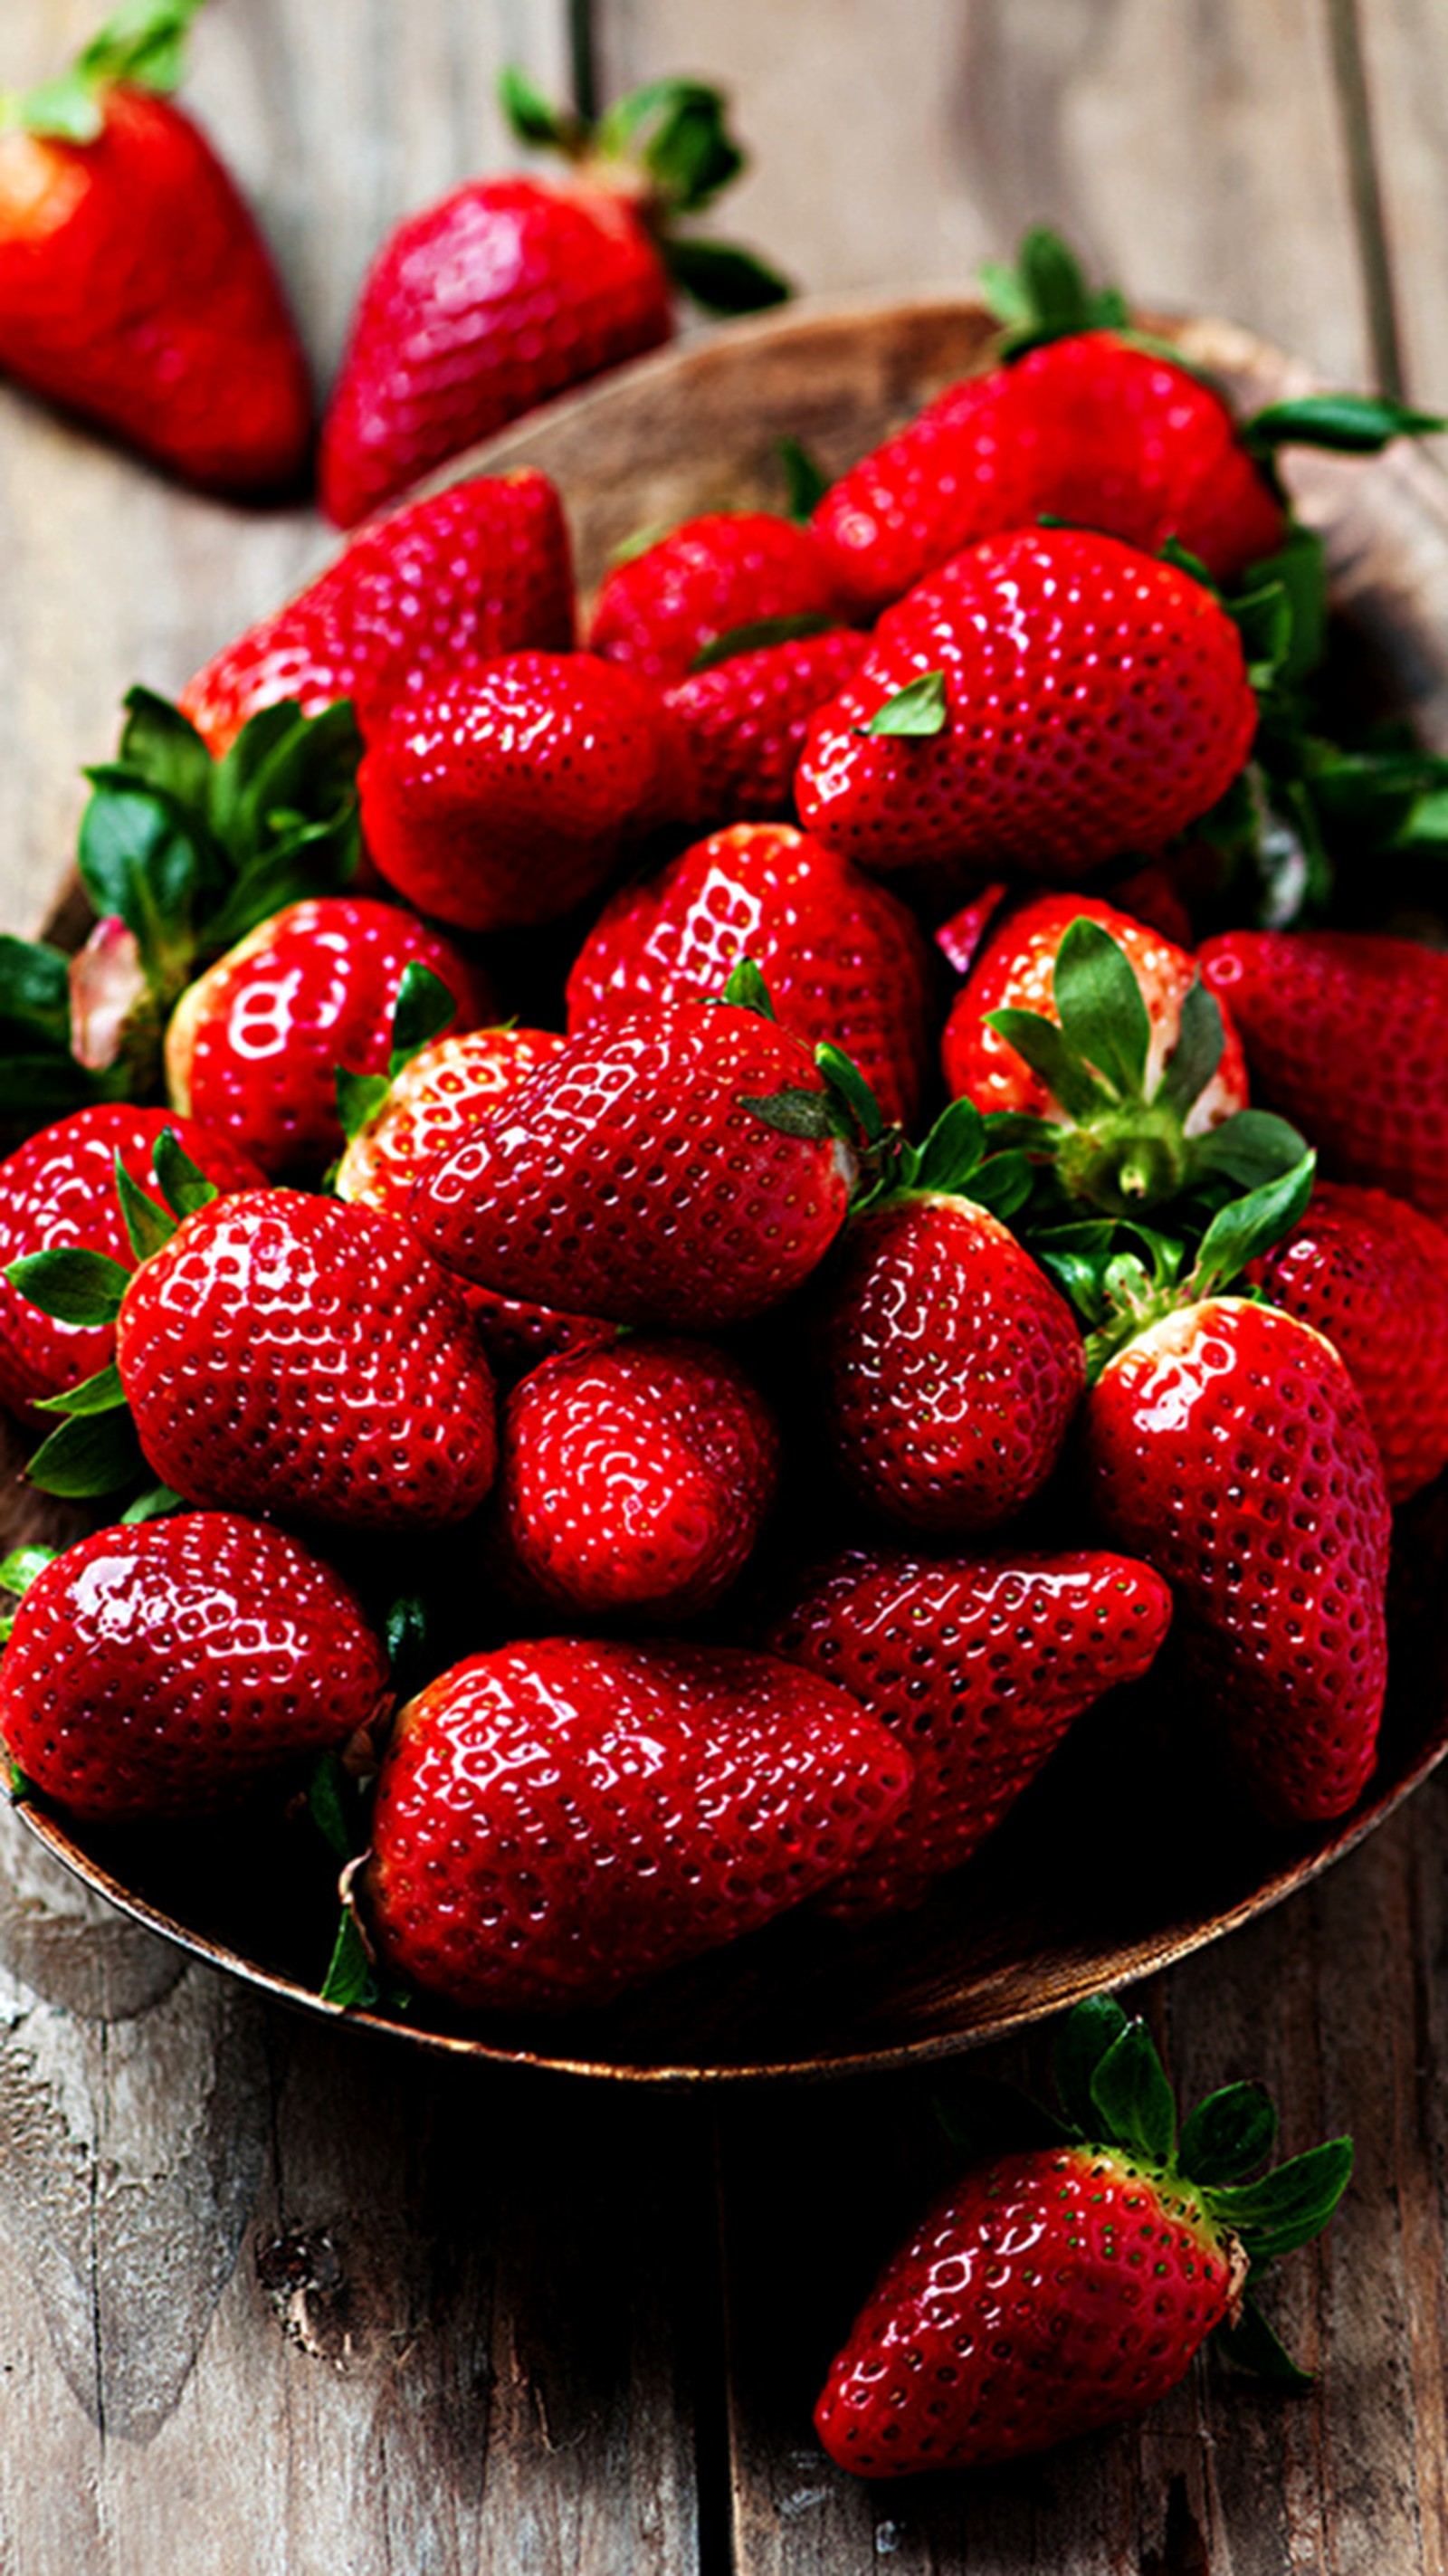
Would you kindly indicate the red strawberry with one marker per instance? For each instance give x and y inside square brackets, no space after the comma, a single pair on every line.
[59,1189]
[556,1822]
[632,1479]
[161,1670]
[481,569]
[1081,700]
[959,473]
[502,796]
[1056,2289]
[1370,1273]
[1228,1446]
[745,719]
[643,1174]
[710,577]
[254,1045]
[842,958]
[979,1665]
[1347,1033]
[289,1355]
[949,1366]
[135,288]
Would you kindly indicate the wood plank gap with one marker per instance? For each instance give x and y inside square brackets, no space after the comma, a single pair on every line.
[710,2357]
[583,56]
[1355,110]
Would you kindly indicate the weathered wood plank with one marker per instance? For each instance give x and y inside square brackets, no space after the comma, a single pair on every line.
[1404,46]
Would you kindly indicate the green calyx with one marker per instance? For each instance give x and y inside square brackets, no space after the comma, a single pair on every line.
[424,1008]
[1044,295]
[1114,2097]
[915,713]
[669,148]
[143,45]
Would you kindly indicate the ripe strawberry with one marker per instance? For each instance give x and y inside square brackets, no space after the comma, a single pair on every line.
[643,1174]
[979,1665]
[745,719]
[503,796]
[632,1479]
[511,289]
[558,1821]
[710,578]
[253,1046]
[1070,699]
[1087,429]
[842,958]
[159,1671]
[135,288]
[1055,2289]
[949,1366]
[1228,1446]
[58,1190]
[481,569]
[1370,1273]
[1347,1033]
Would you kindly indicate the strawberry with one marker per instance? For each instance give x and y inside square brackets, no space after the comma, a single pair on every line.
[1049,700]
[59,1190]
[842,958]
[1347,1033]
[632,1479]
[677,1168]
[503,796]
[135,288]
[709,580]
[559,1821]
[1370,1274]
[252,1047]
[159,1671]
[979,1665]
[745,718]
[512,288]
[955,475]
[481,569]
[1228,1446]
[1053,2289]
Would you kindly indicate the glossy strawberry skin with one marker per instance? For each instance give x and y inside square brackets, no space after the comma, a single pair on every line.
[136,290]
[1043,2295]
[746,719]
[59,1189]
[628,1178]
[1014,971]
[502,797]
[160,1671]
[1228,1446]
[949,1367]
[1085,429]
[633,1479]
[731,568]
[254,1045]
[979,1665]
[475,310]
[1370,1273]
[1346,1033]
[290,1356]
[842,957]
[481,569]
[1097,701]
[558,1821]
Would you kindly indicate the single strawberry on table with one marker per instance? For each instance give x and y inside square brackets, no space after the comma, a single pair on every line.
[161,1670]
[135,288]
[710,579]
[1059,2287]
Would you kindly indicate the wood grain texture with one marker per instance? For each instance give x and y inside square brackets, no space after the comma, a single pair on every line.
[1404,48]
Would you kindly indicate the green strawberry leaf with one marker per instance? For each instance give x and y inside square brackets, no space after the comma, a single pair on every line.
[1099,1002]
[359,1098]
[143,44]
[722,278]
[148,1226]
[951,1154]
[1253,1147]
[144,861]
[747,990]
[163,748]
[1131,2095]
[1290,2205]
[1299,570]
[1172,551]
[533,119]
[1350,424]
[327,1806]
[1045,295]
[152,1505]
[1247,1227]
[913,714]
[406,1634]
[1003,1184]
[73,1285]
[1083,2039]
[423,1009]
[793,1111]
[805,479]
[1194,1059]
[1047,1051]
[99,1394]
[21,1791]
[642,541]
[34,993]
[350,1981]
[677,130]
[1227,2133]
[852,1090]
[1263,619]
[89,1455]
[182,1184]
[1251,2344]
[19,1570]
[758,637]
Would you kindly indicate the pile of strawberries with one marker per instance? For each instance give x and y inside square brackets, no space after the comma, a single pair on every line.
[899,1305]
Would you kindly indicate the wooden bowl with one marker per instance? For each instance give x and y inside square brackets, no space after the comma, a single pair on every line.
[1118,1860]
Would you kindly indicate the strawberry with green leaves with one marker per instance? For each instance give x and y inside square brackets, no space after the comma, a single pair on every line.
[1061,2286]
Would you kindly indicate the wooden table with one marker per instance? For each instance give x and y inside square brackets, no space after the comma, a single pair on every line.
[277,2301]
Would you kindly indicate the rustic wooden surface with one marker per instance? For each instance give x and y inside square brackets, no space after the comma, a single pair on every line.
[274,2302]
